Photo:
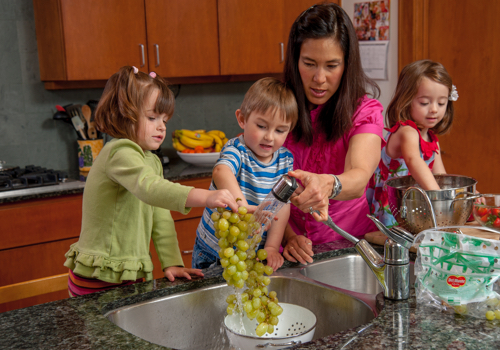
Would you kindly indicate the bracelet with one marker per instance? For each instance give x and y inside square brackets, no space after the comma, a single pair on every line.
[337,187]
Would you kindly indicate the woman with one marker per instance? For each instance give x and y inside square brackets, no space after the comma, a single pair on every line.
[338,137]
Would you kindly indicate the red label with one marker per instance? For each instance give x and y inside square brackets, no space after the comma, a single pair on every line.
[456,281]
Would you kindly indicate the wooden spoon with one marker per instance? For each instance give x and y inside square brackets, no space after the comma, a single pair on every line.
[87,113]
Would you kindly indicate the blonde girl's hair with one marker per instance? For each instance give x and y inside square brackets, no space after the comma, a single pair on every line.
[123,101]
[399,110]
[270,94]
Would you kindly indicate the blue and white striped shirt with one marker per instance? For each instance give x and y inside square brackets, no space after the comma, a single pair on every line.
[255,178]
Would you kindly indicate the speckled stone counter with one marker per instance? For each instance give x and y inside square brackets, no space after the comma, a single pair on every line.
[78,323]
[175,170]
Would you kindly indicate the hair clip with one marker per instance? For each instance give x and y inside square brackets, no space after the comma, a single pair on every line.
[152,74]
[453,94]
[135,69]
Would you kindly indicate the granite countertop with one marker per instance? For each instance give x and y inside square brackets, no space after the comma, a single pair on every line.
[175,170]
[78,323]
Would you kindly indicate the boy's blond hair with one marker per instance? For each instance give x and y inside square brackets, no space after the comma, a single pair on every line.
[270,94]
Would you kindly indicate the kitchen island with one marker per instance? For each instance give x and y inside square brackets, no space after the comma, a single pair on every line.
[78,323]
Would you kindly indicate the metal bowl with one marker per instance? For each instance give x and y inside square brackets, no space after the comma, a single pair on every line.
[452,205]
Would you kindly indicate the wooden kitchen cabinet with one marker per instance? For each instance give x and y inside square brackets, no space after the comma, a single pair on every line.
[37,233]
[254,33]
[182,37]
[435,30]
[88,40]
[81,43]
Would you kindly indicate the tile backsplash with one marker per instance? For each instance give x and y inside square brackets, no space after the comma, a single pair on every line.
[29,135]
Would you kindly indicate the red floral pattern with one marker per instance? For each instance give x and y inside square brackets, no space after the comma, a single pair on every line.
[389,168]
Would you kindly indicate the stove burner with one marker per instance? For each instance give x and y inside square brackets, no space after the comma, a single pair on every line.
[31,176]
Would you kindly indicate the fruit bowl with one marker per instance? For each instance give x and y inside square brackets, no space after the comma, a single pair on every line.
[486,211]
[200,159]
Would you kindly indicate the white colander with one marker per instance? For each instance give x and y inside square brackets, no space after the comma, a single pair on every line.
[296,325]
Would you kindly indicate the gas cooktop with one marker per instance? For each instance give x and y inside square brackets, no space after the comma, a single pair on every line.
[15,178]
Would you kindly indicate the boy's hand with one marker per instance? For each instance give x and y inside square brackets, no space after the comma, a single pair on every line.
[274,258]
[221,198]
[176,271]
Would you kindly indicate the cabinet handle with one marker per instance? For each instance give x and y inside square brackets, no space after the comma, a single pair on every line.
[282,50]
[157,49]
[143,59]
[186,251]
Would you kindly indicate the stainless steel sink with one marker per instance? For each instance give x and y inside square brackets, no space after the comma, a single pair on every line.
[348,272]
[193,319]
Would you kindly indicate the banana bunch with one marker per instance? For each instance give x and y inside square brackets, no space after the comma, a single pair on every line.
[198,141]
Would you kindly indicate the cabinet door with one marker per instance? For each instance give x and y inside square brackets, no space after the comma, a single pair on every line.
[182,37]
[102,36]
[251,36]
[435,30]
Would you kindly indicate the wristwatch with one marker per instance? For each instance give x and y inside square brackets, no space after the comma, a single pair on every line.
[337,187]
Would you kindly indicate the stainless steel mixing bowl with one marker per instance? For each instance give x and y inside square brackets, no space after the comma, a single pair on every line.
[452,204]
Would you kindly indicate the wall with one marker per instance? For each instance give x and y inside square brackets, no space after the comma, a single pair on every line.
[387,87]
[29,135]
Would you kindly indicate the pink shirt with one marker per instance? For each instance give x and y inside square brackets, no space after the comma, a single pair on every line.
[324,157]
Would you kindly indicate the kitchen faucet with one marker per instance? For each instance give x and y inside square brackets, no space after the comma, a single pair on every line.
[393,270]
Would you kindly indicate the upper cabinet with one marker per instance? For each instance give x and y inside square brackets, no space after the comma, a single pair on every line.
[81,43]
[182,37]
[88,39]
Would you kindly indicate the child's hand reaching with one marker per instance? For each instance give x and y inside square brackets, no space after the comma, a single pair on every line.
[176,271]
[212,199]
[274,258]
[221,198]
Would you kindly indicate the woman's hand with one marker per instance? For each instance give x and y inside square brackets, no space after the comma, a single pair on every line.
[177,271]
[298,248]
[313,193]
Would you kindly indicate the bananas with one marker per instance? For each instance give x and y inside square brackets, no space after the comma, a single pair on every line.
[192,141]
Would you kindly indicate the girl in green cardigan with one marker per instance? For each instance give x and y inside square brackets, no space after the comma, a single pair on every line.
[126,201]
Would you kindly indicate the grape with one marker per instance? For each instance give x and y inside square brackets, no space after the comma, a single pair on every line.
[242,210]
[261,254]
[243,246]
[228,252]
[490,316]
[238,235]
[234,231]
[234,218]
[497,314]
[240,266]
[223,224]
[243,226]
[239,284]
[215,216]
[247,306]
[234,259]
[261,329]
[241,255]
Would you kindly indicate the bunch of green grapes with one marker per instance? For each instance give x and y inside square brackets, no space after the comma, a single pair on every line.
[239,234]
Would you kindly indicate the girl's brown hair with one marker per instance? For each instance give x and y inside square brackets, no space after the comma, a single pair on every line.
[270,93]
[408,83]
[327,21]
[122,102]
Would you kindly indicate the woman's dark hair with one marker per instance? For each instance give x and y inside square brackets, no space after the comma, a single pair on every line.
[327,20]
[123,98]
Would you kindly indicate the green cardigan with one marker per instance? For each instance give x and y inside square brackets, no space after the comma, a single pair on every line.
[126,202]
